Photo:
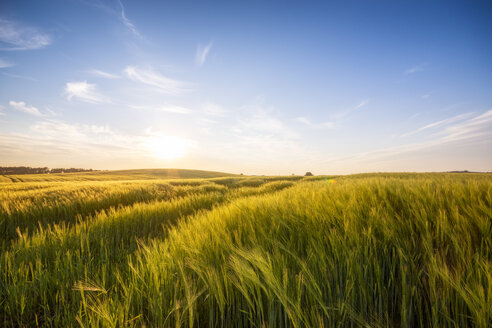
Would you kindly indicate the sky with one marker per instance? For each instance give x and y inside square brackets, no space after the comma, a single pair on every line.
[253,87]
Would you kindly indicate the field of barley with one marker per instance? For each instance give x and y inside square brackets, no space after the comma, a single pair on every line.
[176,248]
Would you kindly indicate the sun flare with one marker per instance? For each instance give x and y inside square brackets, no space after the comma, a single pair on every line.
[167,147]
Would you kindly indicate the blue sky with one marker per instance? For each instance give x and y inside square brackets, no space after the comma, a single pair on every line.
[267,87]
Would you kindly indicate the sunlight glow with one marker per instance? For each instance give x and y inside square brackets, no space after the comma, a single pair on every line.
[167,147]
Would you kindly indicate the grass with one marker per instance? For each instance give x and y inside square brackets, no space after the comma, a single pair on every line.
[143,174]
[375,250]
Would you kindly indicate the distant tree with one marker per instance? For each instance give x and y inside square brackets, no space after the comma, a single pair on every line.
[38,170]
[308,174]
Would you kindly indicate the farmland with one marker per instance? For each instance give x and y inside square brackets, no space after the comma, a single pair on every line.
[177,248]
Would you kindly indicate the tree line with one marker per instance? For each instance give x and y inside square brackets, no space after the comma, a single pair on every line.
[39,170]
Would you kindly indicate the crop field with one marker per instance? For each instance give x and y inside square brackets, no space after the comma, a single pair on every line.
[143,174]
[176,248]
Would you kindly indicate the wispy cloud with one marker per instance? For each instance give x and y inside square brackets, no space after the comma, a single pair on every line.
[214,109]
[361,104]
[5,64]
[415,69]
[55,141]
[349,111]
[255,129]
[157,81]
[54,128]
[16,76]
[85,92]
[166,108]
[475,129]
[335,119]
[208,108]
[202,53]
[306,121]
[438,124]
[117,10]
[263,120]
[50,111]
[22,106]
[17,36]
[127,22]
[175,109]
[261,131]
[103,74]
[478,126]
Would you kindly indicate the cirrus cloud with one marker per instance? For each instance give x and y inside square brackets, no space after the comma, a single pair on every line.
[103,74]
[5,64]
[156,80]
[85,92]
[17,36]
[202,53]
[23,107]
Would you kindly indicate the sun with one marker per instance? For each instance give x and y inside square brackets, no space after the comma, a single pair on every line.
[167,147]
